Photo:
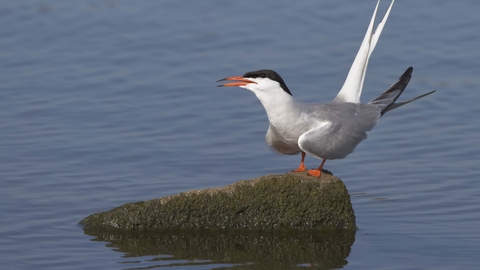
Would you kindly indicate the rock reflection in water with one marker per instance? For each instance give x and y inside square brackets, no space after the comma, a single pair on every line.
[245,250]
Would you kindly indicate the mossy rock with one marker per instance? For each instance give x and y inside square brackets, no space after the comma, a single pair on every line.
[273,202]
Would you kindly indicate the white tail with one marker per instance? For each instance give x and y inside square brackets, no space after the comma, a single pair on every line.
[352,88]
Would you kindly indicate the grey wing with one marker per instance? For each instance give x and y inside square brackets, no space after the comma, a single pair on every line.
[346,127]
[275,142]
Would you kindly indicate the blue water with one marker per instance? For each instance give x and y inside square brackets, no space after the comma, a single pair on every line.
[108,102]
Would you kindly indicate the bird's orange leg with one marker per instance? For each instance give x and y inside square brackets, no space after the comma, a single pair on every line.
[302,167]
[318,171]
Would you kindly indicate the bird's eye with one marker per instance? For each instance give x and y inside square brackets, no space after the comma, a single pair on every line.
[263,75]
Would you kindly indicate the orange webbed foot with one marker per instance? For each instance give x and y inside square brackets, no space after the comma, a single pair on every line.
[300,168]
[316,173]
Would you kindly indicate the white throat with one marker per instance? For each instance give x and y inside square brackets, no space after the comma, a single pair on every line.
[280,106]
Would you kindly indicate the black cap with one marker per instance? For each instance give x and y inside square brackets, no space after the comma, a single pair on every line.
[267,73]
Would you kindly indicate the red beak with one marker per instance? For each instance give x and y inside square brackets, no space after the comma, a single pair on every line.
[240,81]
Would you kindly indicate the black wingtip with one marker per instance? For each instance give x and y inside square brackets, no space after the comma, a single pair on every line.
[407,72]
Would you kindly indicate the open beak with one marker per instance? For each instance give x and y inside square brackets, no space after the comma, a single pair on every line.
[240,81]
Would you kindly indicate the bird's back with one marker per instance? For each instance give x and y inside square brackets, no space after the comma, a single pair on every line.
[337,128]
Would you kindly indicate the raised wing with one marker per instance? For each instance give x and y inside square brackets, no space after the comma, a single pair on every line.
[352,88]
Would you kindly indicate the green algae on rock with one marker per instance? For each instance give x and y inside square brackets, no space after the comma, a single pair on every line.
[272,202]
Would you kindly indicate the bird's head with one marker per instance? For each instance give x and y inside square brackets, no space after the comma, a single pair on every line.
[260,82]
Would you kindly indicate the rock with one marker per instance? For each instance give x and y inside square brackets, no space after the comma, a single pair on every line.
[273,202]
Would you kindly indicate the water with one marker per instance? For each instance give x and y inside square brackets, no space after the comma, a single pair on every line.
[108,102]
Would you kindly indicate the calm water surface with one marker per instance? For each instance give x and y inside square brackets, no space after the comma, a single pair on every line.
[108,102]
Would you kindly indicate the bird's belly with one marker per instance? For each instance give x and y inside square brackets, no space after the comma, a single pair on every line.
[283,141]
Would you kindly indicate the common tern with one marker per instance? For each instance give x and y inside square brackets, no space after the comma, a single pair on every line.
[330,130]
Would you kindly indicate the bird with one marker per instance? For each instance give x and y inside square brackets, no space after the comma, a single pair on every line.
[326,131]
